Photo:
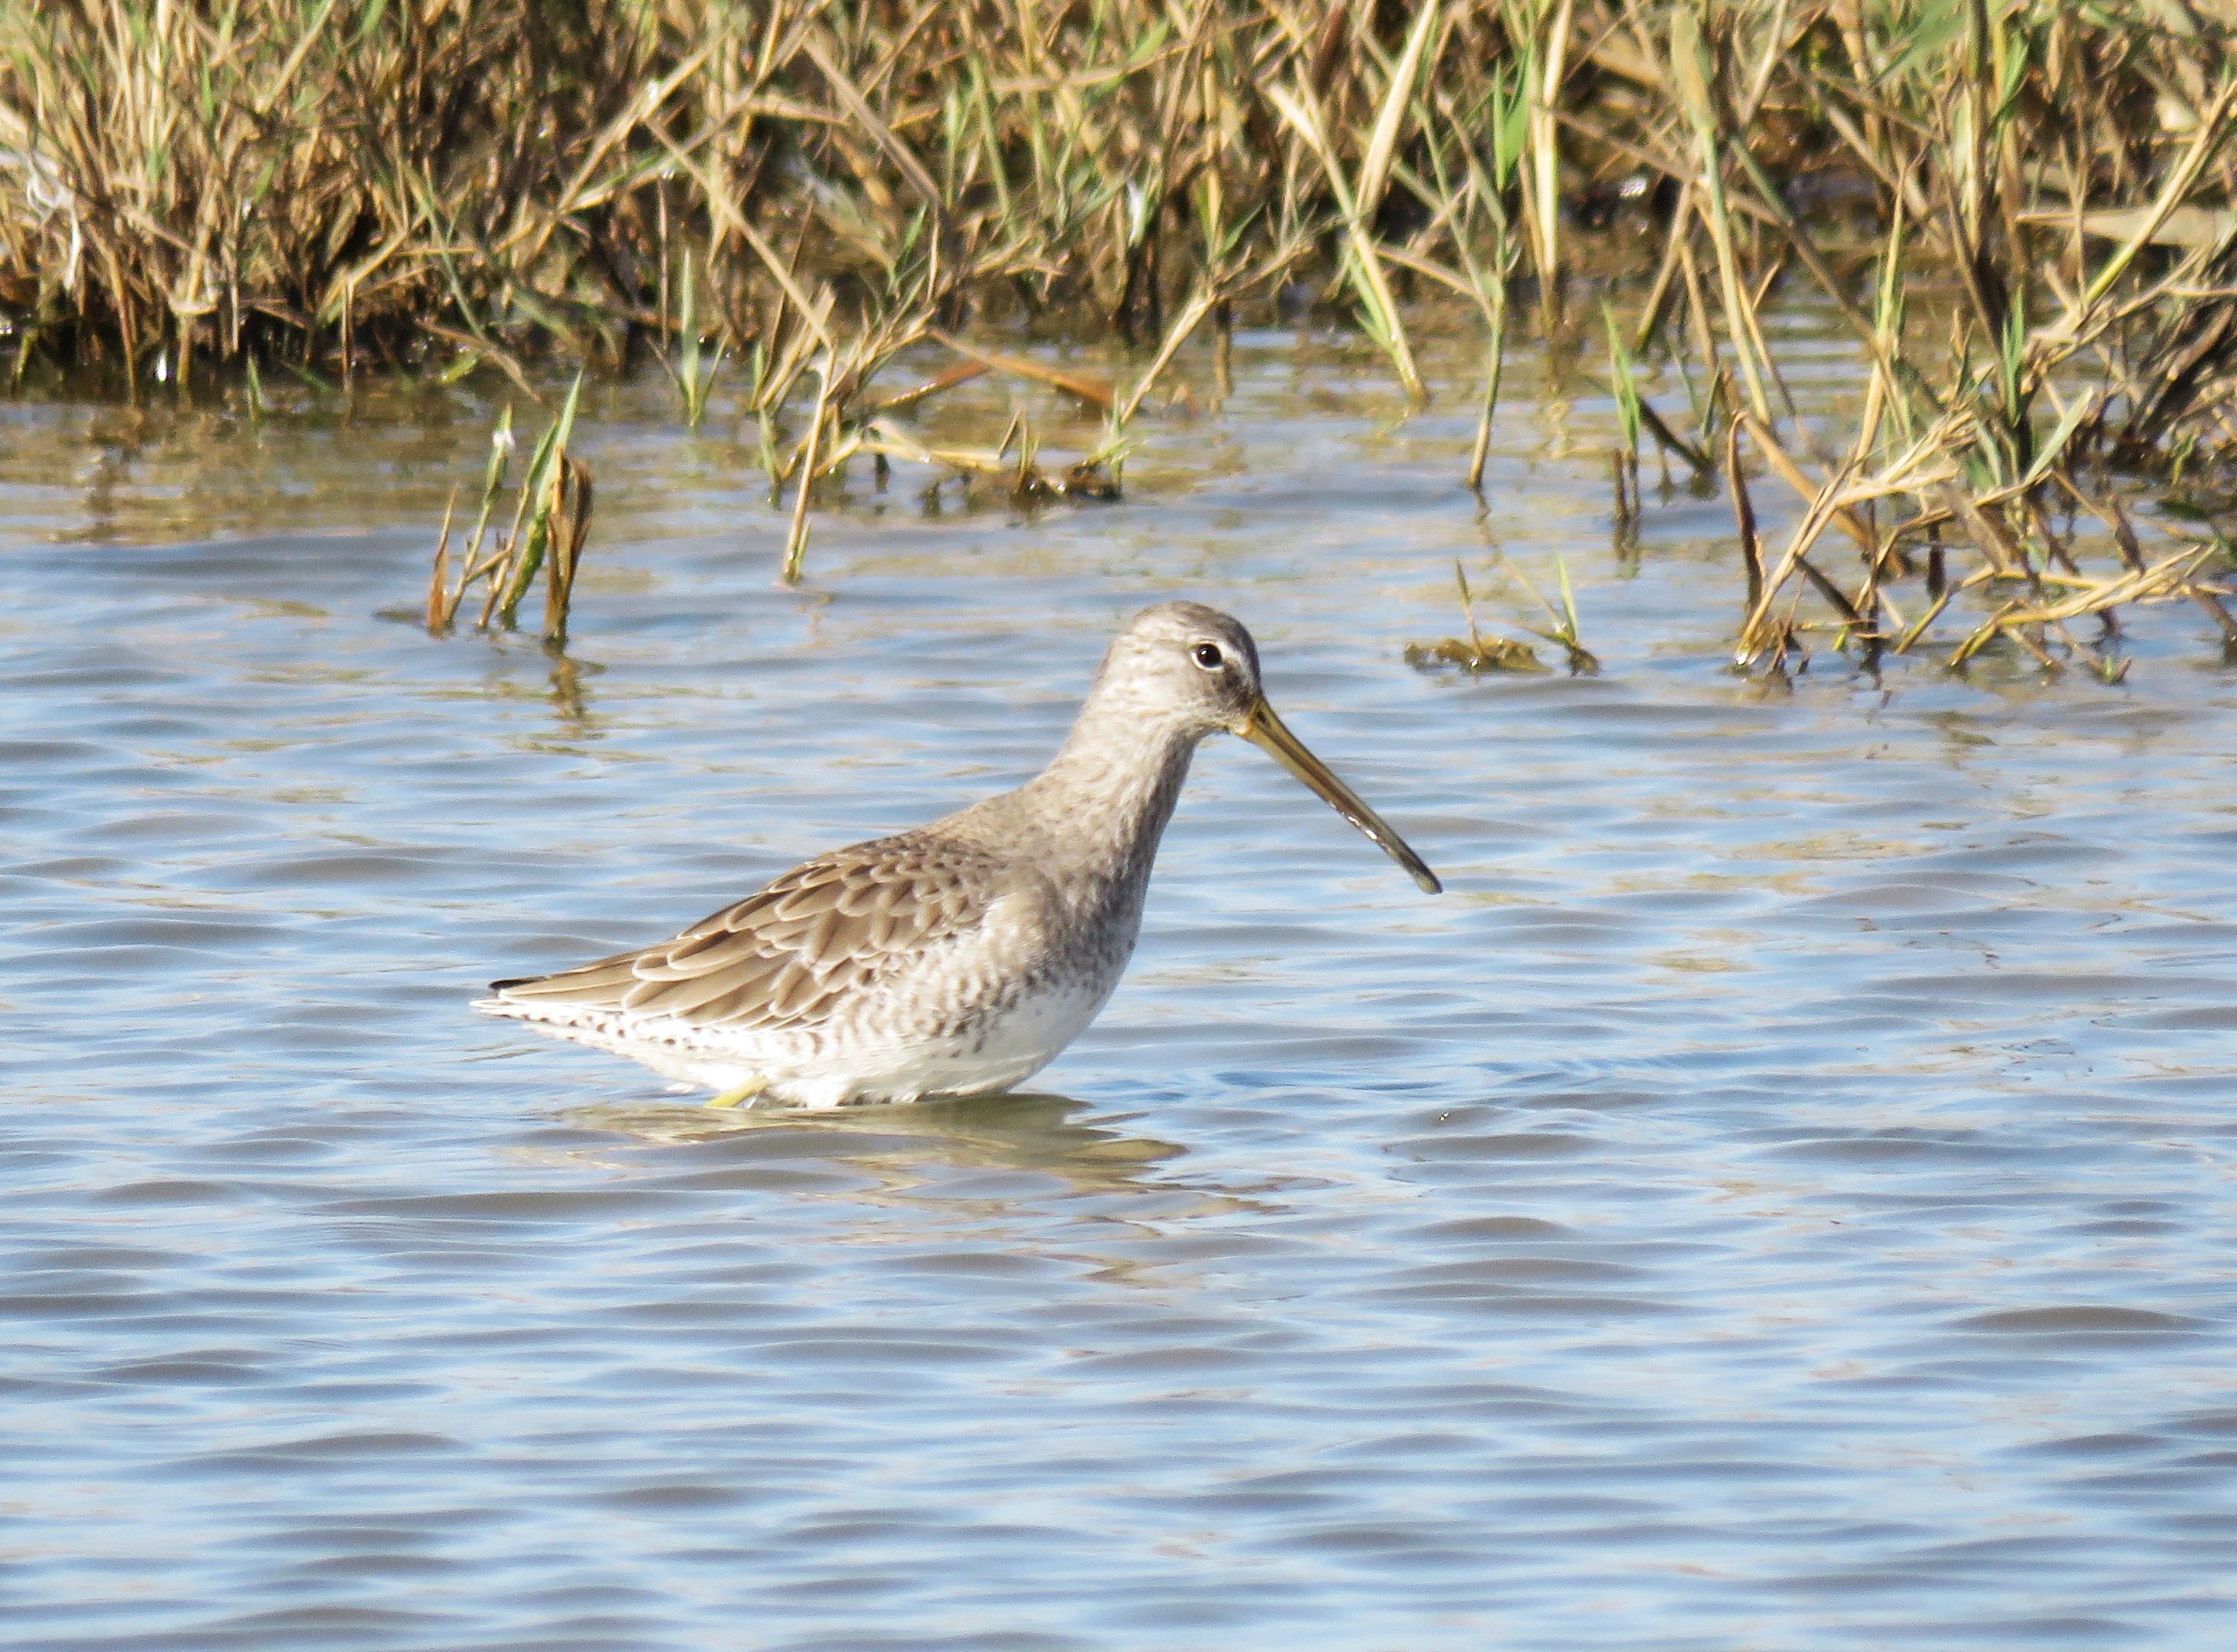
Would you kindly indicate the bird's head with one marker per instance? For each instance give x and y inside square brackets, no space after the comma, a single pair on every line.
[1192,668]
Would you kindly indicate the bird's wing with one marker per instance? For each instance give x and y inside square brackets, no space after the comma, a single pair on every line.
[785,955]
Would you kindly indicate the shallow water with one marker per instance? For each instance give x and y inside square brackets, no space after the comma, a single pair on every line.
[1780,1197]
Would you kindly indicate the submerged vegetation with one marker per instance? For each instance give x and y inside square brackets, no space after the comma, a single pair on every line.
[2024,213]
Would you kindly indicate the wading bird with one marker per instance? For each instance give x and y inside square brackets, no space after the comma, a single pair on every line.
[956,959]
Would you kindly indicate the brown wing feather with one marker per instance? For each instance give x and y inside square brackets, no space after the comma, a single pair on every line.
[786,954]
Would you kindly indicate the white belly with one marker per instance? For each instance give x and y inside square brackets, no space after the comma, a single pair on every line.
[889,1042]
[1003,1050]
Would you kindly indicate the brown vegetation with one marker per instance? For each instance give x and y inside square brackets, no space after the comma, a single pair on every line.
[805,189]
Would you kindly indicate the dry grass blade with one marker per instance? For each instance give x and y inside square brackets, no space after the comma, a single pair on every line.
[570,531]
[1020,476]
[1378,308]
[938,384]
[1094,391]
[796,539]
[1185,325]
[1743,518]
[1389,118]
[439,579]
[858,107]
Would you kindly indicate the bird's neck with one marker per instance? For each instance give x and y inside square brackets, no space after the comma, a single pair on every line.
[1107,795]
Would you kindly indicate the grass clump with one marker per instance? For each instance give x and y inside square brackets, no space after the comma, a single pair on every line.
[1480,652]
[551,525]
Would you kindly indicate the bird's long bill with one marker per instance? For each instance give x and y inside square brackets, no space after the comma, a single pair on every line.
[1269,732]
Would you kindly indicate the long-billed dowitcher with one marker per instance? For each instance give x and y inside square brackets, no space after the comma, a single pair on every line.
[959,958]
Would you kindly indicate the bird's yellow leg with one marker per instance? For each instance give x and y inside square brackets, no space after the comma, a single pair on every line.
[744,1092]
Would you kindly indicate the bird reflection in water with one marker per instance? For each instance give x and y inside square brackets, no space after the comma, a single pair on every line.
[906,1148]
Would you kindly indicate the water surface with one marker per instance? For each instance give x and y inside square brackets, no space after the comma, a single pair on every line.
[1780,1197]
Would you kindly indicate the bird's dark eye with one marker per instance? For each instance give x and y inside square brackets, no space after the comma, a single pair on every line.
[1208,657]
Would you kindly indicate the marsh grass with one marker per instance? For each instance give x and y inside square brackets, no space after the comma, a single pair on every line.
[1624,459]
[2024,213]
[695,366]
[1479,653]
[550,525]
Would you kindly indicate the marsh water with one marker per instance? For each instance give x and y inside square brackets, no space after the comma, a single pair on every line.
[1780,1197]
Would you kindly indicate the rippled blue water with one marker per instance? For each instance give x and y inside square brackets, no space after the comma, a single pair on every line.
[1779,1198]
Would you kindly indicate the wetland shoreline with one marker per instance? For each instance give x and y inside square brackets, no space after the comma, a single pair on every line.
[834,217]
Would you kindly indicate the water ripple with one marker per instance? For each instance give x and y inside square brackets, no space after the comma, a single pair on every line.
[1780,1198]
